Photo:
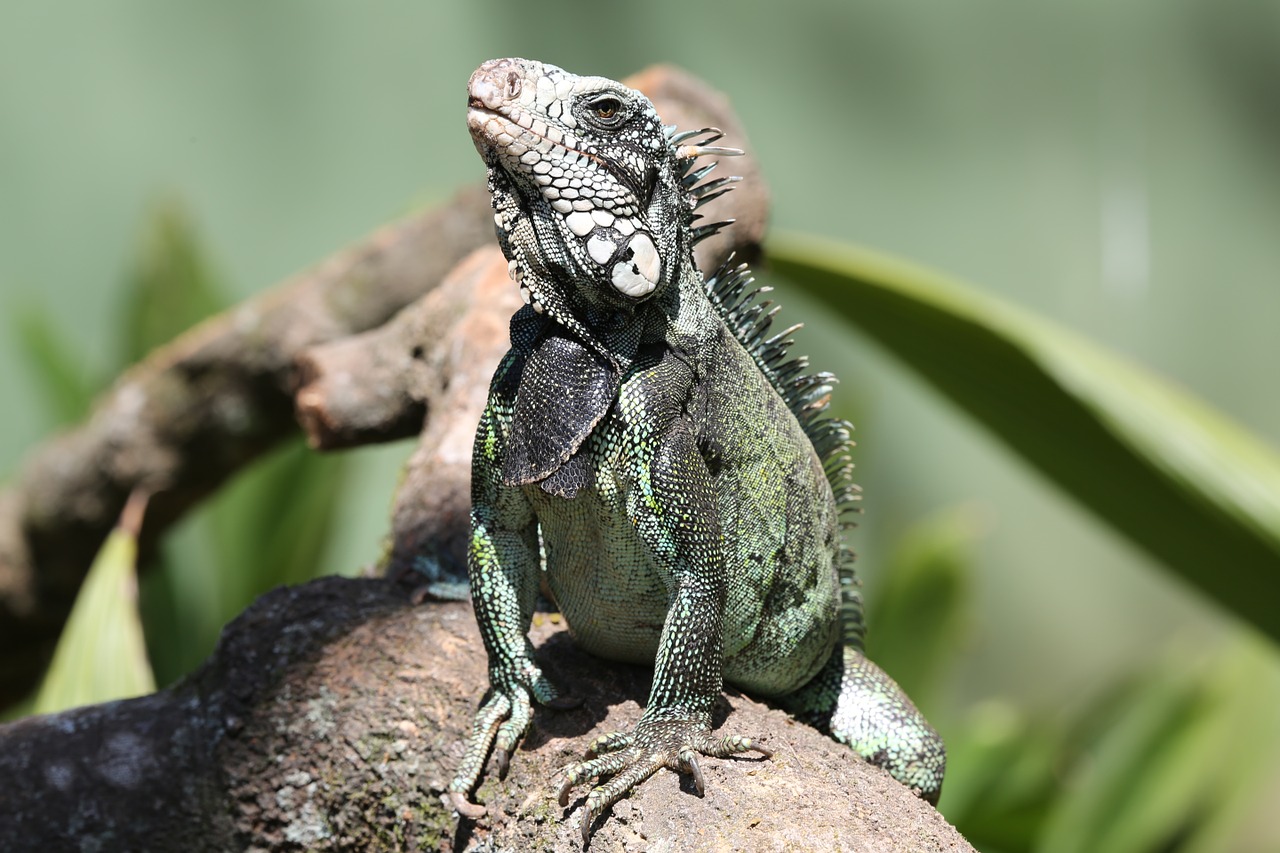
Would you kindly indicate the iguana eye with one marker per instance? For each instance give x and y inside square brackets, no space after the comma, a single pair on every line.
[605,108]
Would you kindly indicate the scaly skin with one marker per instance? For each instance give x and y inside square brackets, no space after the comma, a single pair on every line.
[672,461]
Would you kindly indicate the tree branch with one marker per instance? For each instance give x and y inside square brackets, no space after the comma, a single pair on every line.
[332,715]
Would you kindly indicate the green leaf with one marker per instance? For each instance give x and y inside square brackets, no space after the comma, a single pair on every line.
[101,654]
[918,613]
[171,287]
[1001,778]
[1178,762]
[1194,490]
[273,523]
[1239,810]
[59,373]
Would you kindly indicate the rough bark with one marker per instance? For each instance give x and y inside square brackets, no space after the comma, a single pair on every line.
[332,715]
[197,410]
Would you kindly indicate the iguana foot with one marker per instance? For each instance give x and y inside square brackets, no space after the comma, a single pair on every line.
[630,758]
[500,723]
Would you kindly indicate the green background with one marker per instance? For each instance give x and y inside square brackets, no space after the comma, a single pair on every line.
[1110,165]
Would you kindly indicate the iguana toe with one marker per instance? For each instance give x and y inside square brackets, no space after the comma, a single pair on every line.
[611,742]
[464,807]
[689,762]
[629,759]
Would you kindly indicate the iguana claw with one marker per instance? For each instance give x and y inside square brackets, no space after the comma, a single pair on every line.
[565,787]
[630,758]
[690,761]
[499,725]
[462,806]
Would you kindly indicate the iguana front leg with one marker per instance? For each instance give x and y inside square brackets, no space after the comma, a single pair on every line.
[671,502]
[503,566]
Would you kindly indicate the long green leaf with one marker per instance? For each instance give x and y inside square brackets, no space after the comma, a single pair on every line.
[101,654]
[1196,491]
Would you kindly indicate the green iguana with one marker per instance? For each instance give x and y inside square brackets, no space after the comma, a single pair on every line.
[652,454]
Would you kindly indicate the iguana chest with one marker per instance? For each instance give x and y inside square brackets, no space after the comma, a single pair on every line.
[598,570]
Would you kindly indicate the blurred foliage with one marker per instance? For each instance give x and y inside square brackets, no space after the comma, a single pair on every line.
[65,390]
[1002,775]
[1165,760]
[1168,762]
[171,286]
[921,610]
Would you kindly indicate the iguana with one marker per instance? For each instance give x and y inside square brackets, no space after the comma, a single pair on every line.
[651,453]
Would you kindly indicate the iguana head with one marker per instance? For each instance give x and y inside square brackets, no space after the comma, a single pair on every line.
[591,198]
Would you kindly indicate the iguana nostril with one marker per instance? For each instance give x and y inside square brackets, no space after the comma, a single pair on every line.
[492,84]
[481,91]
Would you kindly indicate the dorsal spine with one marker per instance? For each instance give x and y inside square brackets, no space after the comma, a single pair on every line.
[807,394]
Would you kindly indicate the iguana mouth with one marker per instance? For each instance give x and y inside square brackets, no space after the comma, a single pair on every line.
[479,128]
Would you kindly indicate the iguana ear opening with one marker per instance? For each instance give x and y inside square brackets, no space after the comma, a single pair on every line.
[565,390]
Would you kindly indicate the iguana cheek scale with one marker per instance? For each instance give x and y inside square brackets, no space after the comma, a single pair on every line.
[650,448]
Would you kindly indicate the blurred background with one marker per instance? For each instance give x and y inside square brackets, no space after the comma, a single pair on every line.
[1111,166]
